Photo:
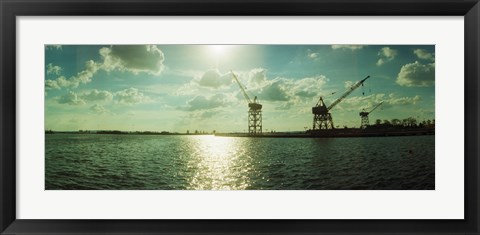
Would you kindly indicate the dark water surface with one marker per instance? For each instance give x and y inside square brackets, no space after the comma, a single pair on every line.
[93,161]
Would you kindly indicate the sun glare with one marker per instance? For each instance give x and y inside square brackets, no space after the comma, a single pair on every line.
[219,50]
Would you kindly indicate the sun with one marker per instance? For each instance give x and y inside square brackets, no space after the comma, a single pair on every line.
[219,50]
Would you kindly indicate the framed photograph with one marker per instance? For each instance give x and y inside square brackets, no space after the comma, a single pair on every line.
[242,117]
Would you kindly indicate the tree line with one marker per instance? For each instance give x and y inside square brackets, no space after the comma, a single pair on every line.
[403,123]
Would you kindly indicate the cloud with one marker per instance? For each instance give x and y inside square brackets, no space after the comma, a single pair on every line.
[53,47]
[133,58]
[274,90]
[282,89]
[64,82]
[97,108]
[285,105]
[51,84]
[424,54]
[83,77]
[403,100]
[257,76]
[354,102]
[391,100]
[417,75]
[348,84]
[130,96]
[86,75]
[257,84]
[213,79]
[348,47]
[71,98]
[204,114]
[312,55]
[386,55]
[96,95]
[51,69]
[203,103]
[307,87]
[287,89]
[252,80]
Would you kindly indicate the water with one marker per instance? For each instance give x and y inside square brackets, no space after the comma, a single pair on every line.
[162,162]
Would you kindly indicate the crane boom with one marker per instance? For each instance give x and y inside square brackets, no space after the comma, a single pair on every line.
[376,106]
[350,90]
[254,111]
[242,88]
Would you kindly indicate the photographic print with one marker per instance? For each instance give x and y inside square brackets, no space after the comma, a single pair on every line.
[239,117]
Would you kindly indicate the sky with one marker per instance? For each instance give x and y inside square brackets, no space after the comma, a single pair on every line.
[176,88]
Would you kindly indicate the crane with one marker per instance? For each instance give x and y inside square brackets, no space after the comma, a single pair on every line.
[254,110]
[364,115]
[322,119]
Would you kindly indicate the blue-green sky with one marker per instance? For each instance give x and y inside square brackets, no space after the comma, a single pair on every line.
[189,87]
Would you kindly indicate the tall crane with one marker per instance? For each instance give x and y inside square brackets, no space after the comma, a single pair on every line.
[322,119]
[364,115]
[254,111]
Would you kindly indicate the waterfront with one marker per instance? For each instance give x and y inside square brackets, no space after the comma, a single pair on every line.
[205,162]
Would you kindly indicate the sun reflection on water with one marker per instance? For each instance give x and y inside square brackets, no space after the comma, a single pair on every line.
[218,165]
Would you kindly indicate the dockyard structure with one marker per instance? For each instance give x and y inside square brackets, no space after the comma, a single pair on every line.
[364,115]
[322,118]
[254,111]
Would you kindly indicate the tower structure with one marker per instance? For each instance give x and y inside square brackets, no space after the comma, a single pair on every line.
[364,115]
[322,119]
[254,111]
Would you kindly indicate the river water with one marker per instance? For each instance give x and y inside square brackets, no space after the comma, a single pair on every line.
[203,162]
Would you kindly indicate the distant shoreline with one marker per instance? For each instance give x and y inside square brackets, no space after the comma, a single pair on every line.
[124,133]
[347,132]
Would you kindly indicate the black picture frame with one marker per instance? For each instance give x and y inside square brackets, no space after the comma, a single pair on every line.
[470,9]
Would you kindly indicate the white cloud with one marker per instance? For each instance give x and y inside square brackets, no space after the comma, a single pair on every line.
[285,105]
[204,114]
[213,79]
[417,75]
[97,108]
[51,84]
[86,75]
[51,69]
[348,47]
[404,100]
[202,102]
[348,84]
[256,83]
[257,76]
[424,54]
[391,100]
[71,98]
[380,62]
[274,90]
[283,89]
[64,82]
[289,89]
[307,87]
[96,95]
[312,55]
[83,77]
[362,101]
[386,54]
[130,96]
[53,47]
[133,58]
